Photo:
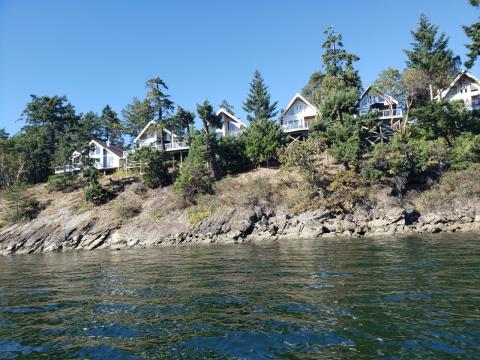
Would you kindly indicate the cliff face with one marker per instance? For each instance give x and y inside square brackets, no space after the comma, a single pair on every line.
[67,223]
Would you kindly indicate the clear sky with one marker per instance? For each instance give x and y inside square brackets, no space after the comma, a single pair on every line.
[102,52]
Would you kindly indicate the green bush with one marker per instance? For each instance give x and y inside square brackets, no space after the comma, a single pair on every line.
[196,175]
[196,214]
[465,152]
[156,166]
[398,157]
[262,140]
[20,204]
[91,175]
[97,194]
[61,182]
[231,153]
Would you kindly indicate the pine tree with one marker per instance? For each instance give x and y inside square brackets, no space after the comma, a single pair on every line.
[136,116]
[210,120]
[161,104]
[182,122]
[258,104]
[473,32]
[20,204]
[431,54]
[227,106]
[111,126]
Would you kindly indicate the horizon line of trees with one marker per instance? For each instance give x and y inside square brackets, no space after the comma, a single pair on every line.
[53,129]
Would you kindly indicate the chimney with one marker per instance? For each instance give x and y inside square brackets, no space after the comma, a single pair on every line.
[108,142]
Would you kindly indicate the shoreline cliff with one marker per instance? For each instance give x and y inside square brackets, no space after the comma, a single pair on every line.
[68,223]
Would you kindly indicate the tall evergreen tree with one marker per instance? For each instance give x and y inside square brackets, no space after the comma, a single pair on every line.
[4,135]
[339,87]
[136,116]
[431,54]
[258,104]
[473,32]
[182,122]
[210,120]
[161,104]
[227,106]
[111,126]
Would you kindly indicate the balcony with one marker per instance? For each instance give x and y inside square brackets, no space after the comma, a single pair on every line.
[386,114]
[295,126]
[175,146]
[67,169]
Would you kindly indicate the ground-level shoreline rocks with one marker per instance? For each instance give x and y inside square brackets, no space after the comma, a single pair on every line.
[64,231]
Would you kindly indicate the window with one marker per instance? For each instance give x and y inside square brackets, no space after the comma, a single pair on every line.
[232,127]
[290,111]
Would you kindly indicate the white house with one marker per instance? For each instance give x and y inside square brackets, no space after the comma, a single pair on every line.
[231,125]
[105,156]
[149,136]
[297,116]
[465,87]
[370,101]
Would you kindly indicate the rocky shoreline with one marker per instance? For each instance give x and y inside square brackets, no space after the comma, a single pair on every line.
[62,231]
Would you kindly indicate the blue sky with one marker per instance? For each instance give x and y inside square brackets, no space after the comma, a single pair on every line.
[102,52]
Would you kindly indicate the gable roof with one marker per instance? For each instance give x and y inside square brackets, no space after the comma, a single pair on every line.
[150,123]
[367,90]
[115,150]
[231,117]
[297,96]
[459,76]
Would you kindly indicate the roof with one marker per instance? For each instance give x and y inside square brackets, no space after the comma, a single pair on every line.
[231,116]
[150,123]
[114,149]
[369,87]
[459,76]
[297,96]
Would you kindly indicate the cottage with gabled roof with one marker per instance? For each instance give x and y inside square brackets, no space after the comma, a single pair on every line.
[297,116]
[465,87]
[150,136]
[231,124]
[105,156]
[371,101]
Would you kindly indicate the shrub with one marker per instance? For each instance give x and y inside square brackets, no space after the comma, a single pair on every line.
[262,140]
[20,204]
[61,182]
[397,158]
[345,191]
[196,214]
[97,194]
[156,167]
[231,151]
[196,175]
[126,211]
[465,151]
[139,189]
[91,175]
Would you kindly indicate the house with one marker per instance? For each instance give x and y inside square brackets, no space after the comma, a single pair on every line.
[231,125]
[297,117]
[150,136]
[465,87]
[371,101]
[105,156]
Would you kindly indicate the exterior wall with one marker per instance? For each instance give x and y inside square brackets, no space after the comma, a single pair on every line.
[371,102]
[297,116]
[104,159]
[466,90]
[229,128]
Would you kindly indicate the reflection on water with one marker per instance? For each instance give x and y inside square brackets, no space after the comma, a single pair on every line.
[412,297]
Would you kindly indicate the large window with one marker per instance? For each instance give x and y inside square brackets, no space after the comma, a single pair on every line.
[232,127]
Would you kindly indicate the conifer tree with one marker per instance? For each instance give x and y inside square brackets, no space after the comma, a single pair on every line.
[227,106]
[473,32]
[111,126]
[431,54]
[258,104]
[136,116]
[182,122]
[161,104]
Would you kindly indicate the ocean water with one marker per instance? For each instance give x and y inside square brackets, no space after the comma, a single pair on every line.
[408,297]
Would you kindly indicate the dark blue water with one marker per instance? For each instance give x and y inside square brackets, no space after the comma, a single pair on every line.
[416,297]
